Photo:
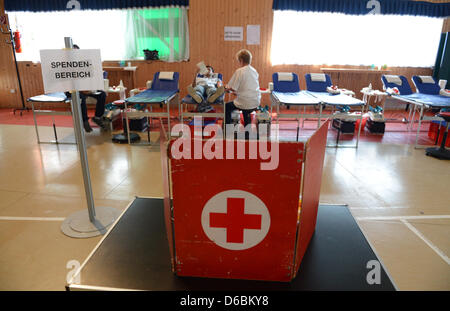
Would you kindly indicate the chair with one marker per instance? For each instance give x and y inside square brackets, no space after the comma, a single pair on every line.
[404,88]
[282,84]
[188,100]
[165,84]
[426,88]
[51,98]
[164,88]
[286,91]
[441,152]
[317,86]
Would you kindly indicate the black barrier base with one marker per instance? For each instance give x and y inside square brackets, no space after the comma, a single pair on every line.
[443,154]
[123,138]
[135,255]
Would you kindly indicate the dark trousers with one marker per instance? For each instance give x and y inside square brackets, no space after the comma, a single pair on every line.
[100,96]
[99,107]
[229,107]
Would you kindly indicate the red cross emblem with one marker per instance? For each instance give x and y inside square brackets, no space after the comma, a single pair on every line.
[235,219]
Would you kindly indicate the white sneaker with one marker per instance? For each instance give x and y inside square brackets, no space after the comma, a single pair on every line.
[194,94]
[219,92]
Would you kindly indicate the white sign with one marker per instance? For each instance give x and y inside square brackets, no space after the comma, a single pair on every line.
[253,34]
[235,219]
[234,33]
[71,70]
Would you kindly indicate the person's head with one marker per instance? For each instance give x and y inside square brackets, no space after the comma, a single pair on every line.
[210,70]
[244,57]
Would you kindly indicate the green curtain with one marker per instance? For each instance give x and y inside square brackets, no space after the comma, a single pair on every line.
[164,29]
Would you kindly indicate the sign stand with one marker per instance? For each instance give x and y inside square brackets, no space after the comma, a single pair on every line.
[90,223]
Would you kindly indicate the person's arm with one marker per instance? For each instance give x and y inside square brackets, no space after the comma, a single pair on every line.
[234,82]
[194,83]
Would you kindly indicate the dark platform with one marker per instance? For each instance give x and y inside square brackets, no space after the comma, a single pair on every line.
[135,255]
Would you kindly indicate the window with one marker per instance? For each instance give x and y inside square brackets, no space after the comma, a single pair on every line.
[164,30]
[119,34]
[336,39]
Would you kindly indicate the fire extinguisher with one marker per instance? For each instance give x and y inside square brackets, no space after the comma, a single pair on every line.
[17,43]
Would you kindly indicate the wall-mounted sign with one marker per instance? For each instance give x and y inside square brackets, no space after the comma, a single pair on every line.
[233,33]
[71,70]
[253,34]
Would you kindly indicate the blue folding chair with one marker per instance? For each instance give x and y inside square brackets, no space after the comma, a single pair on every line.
[287,92]
[163,84]
[426,88]
[162,91]
[285,86]
[404,88]
[317,86]
[188,100]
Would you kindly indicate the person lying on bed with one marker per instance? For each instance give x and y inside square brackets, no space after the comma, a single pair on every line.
[207,86]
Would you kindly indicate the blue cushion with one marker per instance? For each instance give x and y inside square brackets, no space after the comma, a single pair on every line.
[426,88]
[158,84]
[404,89]
[285,86]
[317,86]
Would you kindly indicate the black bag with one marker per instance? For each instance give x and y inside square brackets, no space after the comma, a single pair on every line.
[375,127]
[346,127]
[151,55]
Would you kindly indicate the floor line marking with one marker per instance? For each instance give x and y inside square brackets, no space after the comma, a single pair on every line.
[380,207]
[33,218]
[404,217]
[431,245]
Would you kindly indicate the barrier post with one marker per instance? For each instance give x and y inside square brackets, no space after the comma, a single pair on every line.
[85,224]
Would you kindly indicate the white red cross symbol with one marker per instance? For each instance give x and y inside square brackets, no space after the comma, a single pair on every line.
[235,219]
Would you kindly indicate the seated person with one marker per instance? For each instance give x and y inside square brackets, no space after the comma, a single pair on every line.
[100,96]
[245,85]
[206,86]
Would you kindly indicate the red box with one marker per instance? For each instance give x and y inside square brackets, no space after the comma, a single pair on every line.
[228,218]
[433,132]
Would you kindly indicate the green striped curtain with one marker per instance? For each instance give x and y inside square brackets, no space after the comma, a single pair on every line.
[163,29]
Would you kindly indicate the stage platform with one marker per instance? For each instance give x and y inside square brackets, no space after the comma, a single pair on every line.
[134,255]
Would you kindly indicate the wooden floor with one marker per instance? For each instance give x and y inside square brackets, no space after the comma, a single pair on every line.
[399,196]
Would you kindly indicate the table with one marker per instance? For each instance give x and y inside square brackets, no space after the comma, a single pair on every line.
[302,98]
[337,100]
[149,97]
[134,255]
[126,74]
[355,79]
[49,98]
[320,99]
[424,101]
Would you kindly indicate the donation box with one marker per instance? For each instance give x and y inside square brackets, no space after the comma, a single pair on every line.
[227,217]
